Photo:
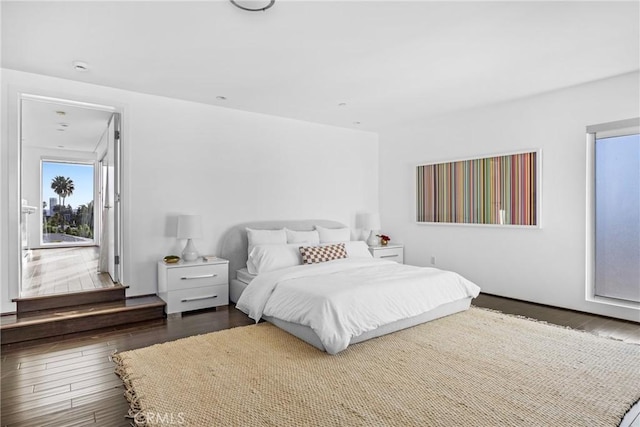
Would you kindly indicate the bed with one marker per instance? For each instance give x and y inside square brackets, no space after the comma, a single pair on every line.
[276,296]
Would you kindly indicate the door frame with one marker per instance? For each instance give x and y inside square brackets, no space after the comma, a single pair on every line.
[15,178]
[117,194]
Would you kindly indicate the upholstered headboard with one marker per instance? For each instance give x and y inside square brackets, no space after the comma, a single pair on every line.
[235,244]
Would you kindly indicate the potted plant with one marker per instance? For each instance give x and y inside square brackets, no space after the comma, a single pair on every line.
[384,239]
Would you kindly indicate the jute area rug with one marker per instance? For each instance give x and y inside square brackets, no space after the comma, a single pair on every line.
[476,368]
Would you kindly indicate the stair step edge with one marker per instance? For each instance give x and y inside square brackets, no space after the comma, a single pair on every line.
[67,295]
[98,311]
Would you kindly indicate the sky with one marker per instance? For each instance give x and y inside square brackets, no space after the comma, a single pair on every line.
[81,175]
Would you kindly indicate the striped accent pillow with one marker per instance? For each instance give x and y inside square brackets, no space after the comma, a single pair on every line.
[316,254]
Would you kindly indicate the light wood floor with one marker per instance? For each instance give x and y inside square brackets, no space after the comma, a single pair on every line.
[71,382]
[62,270]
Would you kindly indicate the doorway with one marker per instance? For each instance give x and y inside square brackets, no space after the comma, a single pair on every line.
[69,186]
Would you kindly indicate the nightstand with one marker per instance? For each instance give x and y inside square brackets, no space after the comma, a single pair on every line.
[389,252]
[194,285]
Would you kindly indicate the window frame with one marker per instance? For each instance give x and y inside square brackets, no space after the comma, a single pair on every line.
[599,131]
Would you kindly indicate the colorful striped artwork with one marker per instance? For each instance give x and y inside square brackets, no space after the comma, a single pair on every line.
[490,190]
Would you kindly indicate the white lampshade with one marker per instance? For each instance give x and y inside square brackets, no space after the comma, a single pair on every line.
[369,221]
[189,226]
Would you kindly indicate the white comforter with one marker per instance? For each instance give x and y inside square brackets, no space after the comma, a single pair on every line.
[344,298]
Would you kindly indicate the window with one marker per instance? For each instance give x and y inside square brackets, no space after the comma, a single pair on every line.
[614,217]
[68,212]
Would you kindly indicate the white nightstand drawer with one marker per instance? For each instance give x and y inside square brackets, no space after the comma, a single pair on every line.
[197,276]
[390,253]
[194,285]
[197,298]
[394,254]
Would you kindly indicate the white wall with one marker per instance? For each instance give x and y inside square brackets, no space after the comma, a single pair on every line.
[545,265]
[227,165]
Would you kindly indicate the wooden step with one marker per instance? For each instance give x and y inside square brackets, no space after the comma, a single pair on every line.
[62,321]
[49,302]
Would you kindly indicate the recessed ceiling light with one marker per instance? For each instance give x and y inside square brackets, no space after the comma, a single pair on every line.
[356,123]
[61,129]
[221,98]
[60,146]
[342,104]
[61,113]
[80,66]
[64,125]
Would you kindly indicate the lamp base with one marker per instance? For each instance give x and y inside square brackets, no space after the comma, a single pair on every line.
[189,253]
[373,240]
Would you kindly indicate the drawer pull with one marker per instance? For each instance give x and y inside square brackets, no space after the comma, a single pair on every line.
[198,298]
[388,256]
[204,276]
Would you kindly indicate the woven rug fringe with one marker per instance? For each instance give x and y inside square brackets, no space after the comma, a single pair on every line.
[543,322]
[135,410]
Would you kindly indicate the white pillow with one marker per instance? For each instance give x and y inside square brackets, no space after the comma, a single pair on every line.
[329,235]
[307,237]
[265,258]
[265,237]
[357,249]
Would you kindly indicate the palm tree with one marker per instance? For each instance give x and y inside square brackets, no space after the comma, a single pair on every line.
[63,187]
[69,189]
[59,185]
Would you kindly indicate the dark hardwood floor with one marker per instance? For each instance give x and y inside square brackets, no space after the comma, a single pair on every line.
[69,381]
[603,326]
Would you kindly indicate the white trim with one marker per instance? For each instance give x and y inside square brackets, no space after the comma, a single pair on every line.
[67,102]
[470,224]
[621,126]
[481,157]
[614,302]
[97,201]
[590,237]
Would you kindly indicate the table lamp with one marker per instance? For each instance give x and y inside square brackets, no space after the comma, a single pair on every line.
[370,221]
[189,227]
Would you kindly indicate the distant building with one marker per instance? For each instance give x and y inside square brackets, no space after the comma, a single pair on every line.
[52,202]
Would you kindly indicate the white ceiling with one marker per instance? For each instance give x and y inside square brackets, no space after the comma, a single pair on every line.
[390,61]
[78,129]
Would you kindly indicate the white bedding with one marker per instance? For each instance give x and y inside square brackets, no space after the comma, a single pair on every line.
[344,298]
[244,276]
